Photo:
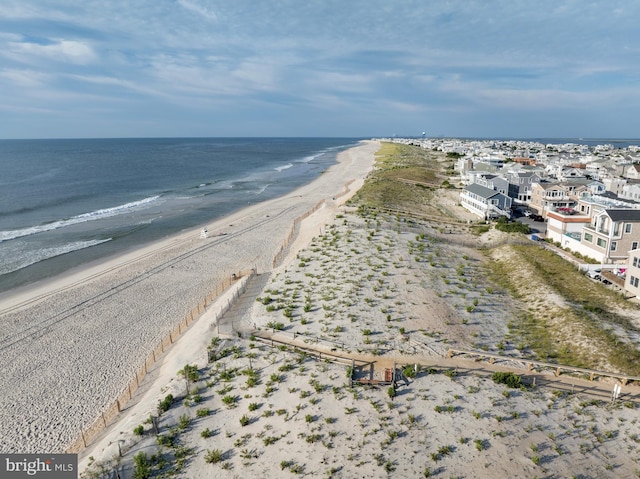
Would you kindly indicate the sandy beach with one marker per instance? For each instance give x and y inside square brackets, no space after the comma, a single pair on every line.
[370,293]
[70,345]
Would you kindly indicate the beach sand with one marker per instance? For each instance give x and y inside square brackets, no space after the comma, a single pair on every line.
[379,293]
[71,345]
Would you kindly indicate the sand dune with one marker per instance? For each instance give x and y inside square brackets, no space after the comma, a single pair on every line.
[388,293]
[69,346]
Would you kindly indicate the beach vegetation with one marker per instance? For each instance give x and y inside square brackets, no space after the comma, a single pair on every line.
[276,326]
[141,466]
[213,456]
[138,430]
[203,412]
[480,444]
[165,404]
[230,401]
[184,422]
[167,440]
[510,379]
[189,372]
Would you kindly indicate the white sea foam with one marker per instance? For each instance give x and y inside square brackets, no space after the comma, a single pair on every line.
[284,167]
[310,158]
[22,259]
[92,216]
[261,190]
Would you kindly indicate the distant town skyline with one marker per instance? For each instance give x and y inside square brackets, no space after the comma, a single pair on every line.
[215,68]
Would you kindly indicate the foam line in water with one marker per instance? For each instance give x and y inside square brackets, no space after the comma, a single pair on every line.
[92,216]
[22,261]
[284,167]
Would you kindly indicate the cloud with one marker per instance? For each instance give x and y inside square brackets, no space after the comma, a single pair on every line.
[24,78]
[69,51]
[207,13]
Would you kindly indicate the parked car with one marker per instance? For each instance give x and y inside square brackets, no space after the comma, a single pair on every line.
[595,274]
[536,218]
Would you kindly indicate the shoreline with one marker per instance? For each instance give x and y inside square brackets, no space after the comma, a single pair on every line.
[301,414]
[72,333]
[88,270]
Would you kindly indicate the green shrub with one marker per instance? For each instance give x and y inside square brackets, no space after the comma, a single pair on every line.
[165,404]
[213,456]
[184,422]
[138,430]
[142,466]
[202,412]
[189,372]
[512,380]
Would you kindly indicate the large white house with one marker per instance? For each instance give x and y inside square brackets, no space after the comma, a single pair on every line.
[485,202]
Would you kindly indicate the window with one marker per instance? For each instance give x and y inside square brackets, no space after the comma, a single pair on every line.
[634,245]
[634,281]
[635,261]
[627,228]
[614,245]
[588,237]
[602,243]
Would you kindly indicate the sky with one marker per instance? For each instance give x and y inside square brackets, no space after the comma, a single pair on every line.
[327,68]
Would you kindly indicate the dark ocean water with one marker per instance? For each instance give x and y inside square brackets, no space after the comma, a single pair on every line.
[66,202]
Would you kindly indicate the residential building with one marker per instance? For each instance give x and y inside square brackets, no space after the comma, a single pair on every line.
[547,196]
[485,202]
[632,277]
[520,185]
[611,234]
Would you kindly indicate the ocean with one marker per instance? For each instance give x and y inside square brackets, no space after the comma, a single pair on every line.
[67,202]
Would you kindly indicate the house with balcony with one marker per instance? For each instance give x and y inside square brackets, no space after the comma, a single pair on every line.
[611,234]
[520,185]
[547,196]
[485,202]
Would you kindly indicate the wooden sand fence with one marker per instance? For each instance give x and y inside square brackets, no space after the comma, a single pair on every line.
[292,233]
[111,412]
[108,415]
[279,256]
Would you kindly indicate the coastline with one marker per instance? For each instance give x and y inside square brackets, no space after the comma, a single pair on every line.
[301,415]
[82,337]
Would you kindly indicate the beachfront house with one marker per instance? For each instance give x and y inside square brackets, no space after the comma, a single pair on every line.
[632,278]
[565,226]
[546,196]
[520,185]
[485,202]
[611,234]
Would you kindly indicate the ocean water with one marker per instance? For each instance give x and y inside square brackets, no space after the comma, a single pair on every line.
[67,202]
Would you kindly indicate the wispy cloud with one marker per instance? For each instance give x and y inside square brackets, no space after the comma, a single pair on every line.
[376,63]
[23,78]
[70,51]
[206,12]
